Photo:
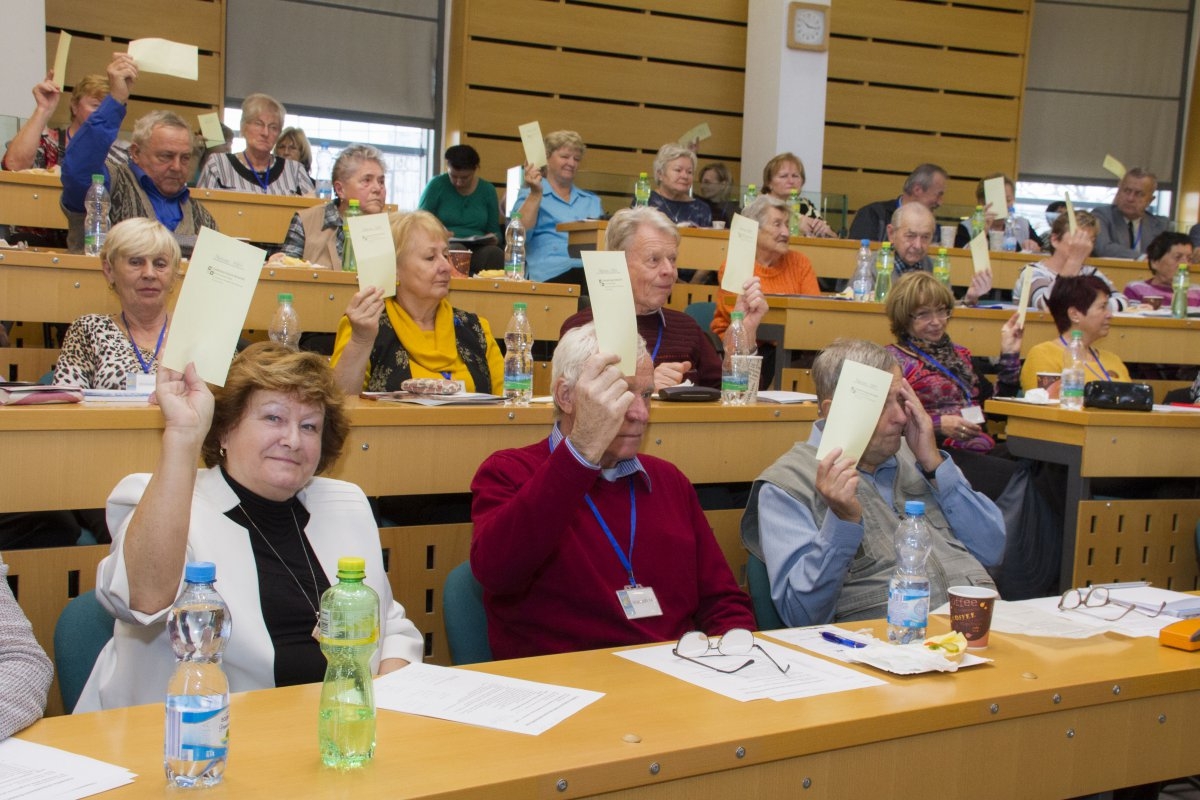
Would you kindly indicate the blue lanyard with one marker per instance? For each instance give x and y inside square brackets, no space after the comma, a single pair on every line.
[261,177]
[933,362]
[137,351]
[626,560]
[662,325]
[1106,377]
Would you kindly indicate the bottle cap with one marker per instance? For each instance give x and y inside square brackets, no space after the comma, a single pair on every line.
[736,315]
[751,187]
[1077,335]
[200,572]
[864,243]
[519,306]
[97,179]
[285,297]
[941,251]
[354,203]
[351,567]
[885,245]
[914,508]
[643,175]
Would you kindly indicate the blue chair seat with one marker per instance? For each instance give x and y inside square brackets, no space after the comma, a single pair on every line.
[465,619]
[82,630]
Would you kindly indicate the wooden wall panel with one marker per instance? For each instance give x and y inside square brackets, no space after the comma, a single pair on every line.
[93,55]
[864,148]
[950,70]
[940,24]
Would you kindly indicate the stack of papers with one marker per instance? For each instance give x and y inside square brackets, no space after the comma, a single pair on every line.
[36,772]
[141,396]
[898,660]
[786,397]
[457,399]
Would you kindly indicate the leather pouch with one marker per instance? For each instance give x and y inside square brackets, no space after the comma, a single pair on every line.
[1118,396]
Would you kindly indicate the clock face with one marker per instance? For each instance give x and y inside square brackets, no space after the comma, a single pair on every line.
[810,26]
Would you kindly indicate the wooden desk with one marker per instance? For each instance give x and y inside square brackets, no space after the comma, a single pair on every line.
[393,449]
[1048,719]
[33,200]
[55,287]
[1112,540]
[835,258]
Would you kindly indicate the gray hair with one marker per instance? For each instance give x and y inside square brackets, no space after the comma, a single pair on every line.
[1139,173]
[668,153]
[904,209]
[625,223]
[827,367]
[757,210]
[556,140]
[923,177]
[352,156]
[143,129]
[257,104]
[575,347]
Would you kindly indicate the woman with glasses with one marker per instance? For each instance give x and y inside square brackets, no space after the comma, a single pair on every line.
[257,169]
[941,372]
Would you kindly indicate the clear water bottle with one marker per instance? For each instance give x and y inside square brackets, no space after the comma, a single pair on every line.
[1011,245]
[863,282]
[514,249]
[908,590]
[794,212]
[518,359]
[197,730]
[285,325]
[349,262]
[978,222]
[941,267]
[883,272]
[1073,373]
[735,376]
[324,169]
[1180,285]
[641,190]
[349,630]
[750,195]
[95,221]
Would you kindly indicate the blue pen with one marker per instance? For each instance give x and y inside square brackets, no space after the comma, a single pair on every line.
[842,640]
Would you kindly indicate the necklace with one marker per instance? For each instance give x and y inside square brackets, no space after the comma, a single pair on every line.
[299,585]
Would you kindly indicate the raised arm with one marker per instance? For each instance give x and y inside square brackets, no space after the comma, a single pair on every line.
[22,150]
[86,155]
[533,200]
[356,339]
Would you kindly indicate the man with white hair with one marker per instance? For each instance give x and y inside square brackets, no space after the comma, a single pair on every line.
[579,542]
[153,184]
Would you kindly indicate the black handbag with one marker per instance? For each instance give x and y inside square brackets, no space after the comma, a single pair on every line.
[1118,395]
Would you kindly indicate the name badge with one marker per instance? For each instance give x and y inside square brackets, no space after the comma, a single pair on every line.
[139,382]
[639,602]
[973,414]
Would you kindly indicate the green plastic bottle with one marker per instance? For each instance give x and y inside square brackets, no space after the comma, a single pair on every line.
[349,264]
[349,628]
[883,272]
[641,190]
[941,267]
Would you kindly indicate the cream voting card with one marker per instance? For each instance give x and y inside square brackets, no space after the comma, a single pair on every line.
[854,412]
[60,58]
[512,187]
[1114,166]
[210,129]
[166,58]
[534,144]
[1072,225]
[612,305]
[994,195]
[1026,289]
[739,259]
[979,253]
[212,306]
[374,252]
[696,134]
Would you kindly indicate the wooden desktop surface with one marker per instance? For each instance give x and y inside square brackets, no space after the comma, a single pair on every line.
[56,287]
[81,451]
[1047,719]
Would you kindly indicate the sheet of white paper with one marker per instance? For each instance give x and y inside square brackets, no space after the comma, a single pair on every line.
[534,144]
[739,258]
[1072,226]
[806,676]
[36,772]
[212,306]
[477,698]
[210,129]
[979,253]
[166,58]
[696,134]
[811,639]
[374,252]
[857,403]
[786,397]
[60,58]
[1114,166]
[1041,617]
[612,305]
[512,187]
[993,193]
[1026,290]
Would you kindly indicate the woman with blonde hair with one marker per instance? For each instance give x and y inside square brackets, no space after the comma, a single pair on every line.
[256,169]
[293,143]
[784,174]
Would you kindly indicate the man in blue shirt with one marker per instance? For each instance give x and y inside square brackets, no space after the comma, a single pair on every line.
[153,184]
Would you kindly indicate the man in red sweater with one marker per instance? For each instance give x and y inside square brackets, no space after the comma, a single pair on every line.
[579,542]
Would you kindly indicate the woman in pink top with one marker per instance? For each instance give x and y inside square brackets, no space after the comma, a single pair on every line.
[1165,254]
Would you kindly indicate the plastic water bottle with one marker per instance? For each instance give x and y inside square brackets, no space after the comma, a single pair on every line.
[735,379]
[349,635]
[641,190]
[1011,245]
[750,195]
[518,361]
[285,325]
[1180,286]
[349,262]
[794,212]
[978,222]
[908,590]
[95,223]
[324,164]
[514,249]
[197,731]
[883,272]
[941,267]
[863,282]
[1073,373]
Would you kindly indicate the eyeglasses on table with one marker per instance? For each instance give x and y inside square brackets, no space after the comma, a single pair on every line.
[1099,597]
[696,645]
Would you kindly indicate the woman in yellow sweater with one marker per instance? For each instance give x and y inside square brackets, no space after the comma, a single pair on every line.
[1077,304]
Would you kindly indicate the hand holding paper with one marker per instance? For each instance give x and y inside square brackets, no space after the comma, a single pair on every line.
[979,253]
[739,260]
[211,130]
[1073,226]
[374,252]
[1115,167]
[612,305]
[535,145]
[1026,289]
[996,197]
[695,135]
[60,58]
[166,58]
[857,403]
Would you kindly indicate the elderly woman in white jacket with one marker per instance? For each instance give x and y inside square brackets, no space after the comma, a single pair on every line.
[274,531]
